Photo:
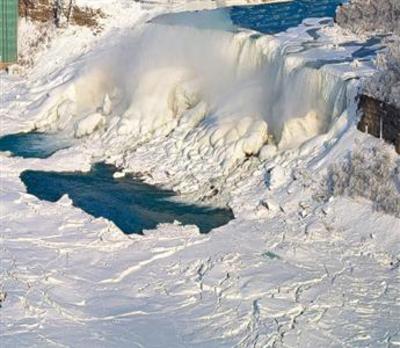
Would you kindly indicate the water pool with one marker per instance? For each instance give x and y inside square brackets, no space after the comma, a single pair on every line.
[33,144]
[277,17]
[266,18]
[129,202]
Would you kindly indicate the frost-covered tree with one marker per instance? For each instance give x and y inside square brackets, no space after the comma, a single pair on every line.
[369,17]
[362,16]
[53,11]
[372,174]
[385,85]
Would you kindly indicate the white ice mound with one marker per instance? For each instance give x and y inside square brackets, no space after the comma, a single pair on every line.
[298,130]
[158,101]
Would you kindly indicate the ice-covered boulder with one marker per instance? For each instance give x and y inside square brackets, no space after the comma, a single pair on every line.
[89,124]
[298,130]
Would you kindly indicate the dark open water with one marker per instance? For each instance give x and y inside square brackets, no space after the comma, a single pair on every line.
[130,203]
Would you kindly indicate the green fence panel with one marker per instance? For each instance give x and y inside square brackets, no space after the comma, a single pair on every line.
[8,30]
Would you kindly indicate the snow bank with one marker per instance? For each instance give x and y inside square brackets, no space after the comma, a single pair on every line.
[34,36]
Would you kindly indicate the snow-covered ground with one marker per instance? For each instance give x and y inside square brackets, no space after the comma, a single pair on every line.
[259,118]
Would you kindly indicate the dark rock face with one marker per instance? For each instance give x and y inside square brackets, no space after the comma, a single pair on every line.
[380,120]
[59,13]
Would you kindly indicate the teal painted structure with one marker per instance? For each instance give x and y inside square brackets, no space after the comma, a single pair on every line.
[8,31]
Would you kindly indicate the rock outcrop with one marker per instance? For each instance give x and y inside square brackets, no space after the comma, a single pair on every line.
[59,12]
[380,119]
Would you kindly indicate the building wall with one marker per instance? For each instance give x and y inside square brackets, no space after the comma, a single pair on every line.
[380,120]
[8,30]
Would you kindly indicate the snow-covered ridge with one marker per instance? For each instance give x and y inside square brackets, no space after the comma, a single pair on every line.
[358,15]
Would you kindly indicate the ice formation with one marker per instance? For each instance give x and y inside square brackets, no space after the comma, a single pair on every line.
[221,107]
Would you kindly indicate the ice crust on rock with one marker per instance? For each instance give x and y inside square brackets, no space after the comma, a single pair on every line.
[89,124]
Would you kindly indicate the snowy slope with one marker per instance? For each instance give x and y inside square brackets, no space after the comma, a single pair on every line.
[291,270]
